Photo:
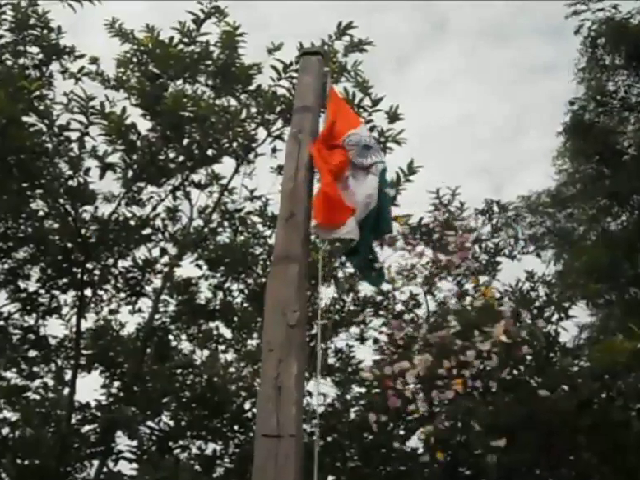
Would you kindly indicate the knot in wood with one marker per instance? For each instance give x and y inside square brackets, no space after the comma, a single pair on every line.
[292,315]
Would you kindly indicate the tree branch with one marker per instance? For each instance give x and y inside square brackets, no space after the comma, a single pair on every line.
[70,407]
[137,369]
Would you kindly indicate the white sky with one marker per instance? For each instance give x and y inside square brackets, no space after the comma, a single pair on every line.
[483,85]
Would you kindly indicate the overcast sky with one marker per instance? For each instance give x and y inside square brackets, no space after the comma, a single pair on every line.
[483,85]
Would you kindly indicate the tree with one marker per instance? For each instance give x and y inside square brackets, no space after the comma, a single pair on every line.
[586,224]
[477,368]
[132,251]
[589,218]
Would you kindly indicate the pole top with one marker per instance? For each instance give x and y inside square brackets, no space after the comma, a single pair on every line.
[311,52]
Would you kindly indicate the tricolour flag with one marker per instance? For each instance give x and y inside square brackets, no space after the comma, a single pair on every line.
[353,200]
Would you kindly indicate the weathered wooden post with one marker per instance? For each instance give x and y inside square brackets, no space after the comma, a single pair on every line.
[279,442]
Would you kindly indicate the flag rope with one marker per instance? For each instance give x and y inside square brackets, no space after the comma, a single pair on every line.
[316,440]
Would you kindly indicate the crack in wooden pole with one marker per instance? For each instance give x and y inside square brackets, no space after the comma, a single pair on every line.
[279,441]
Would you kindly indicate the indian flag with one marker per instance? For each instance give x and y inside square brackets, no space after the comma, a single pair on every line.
[353,201]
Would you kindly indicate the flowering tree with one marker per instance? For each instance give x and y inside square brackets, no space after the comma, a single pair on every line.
[474,368]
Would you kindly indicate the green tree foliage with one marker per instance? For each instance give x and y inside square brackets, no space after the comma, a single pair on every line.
[134,252]
[130,253]
[590,217]
[587,225]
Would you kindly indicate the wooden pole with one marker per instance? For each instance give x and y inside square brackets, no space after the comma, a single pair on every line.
[279,442]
